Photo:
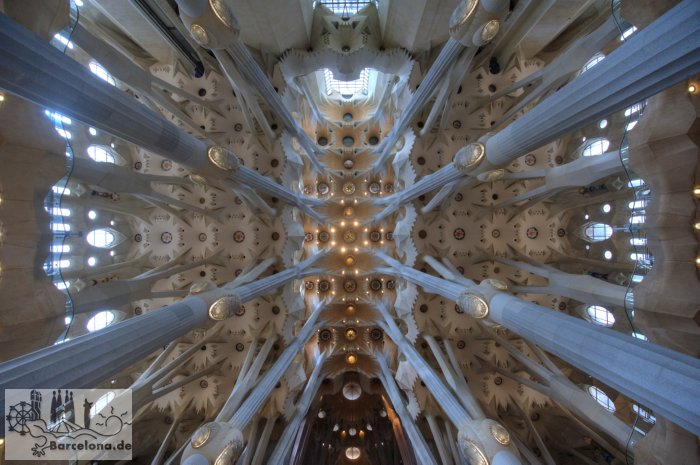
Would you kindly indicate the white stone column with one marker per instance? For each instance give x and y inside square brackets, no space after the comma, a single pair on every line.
[477,437]
[213,439]
[284,445]
[651,60]
[419,446]
[582,287]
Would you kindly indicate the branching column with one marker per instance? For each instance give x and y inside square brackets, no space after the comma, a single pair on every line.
[92,358]
[478,437]
[284,445]
[224,438]
[420,447]
[664,380]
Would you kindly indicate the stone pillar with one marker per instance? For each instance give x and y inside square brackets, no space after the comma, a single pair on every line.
[38,72]
[439,443]
[225,438]
[584,288]
[477,438]
[284,445]
[463,162]
[662,379]
[655,58]
[437,72]
[420,447]
[42,74]
[90,359]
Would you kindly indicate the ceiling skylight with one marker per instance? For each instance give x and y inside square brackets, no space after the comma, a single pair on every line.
[347,7]
[347,88]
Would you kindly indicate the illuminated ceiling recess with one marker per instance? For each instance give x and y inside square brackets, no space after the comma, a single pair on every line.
[347,228]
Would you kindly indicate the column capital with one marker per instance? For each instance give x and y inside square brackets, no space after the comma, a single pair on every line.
[223,159]
[482,440]
[474,23]
[212,24]
[468,157]
[215,442]
[225,307]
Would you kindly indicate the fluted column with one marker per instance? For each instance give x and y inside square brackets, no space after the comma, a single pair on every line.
[655,58]
[582,287]
[226,437]
[38,72]
[284,445]
[420,447]
[87,360]
[463,162]
[473,25]
[437,72]
[477,437]
[662,379]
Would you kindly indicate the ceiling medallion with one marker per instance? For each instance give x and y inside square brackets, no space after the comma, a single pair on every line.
[375,188]
[351,334]
[351,359]
[350,285]
[349,212]
[199,34]
[322,188]
[349,236]
[324,236]
[349,260]
[324,285]
[500,434]
[349,188]
[325,335]
[376,334]
[350,309]
[201,436]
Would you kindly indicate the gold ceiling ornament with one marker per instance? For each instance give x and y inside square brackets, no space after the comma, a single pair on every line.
[349,260]
[350,309]
[223,12]
[199,34]
[349,188]
[489,30]
[348,212]
[224,307]
[223,158]
[493,175]
[500,434]
[201,436]
[473,305]
[351,334]
[351,358]
[469,156]
[461,17]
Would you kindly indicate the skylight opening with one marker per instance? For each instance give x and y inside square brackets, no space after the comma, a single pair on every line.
[102,238]
[100,154]
[100,320]
[597,58]
[347,88]
[345,8]
[601,397]
[63,40]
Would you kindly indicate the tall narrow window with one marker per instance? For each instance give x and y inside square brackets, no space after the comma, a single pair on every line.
[101,72]
[597,58]
[601,397]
